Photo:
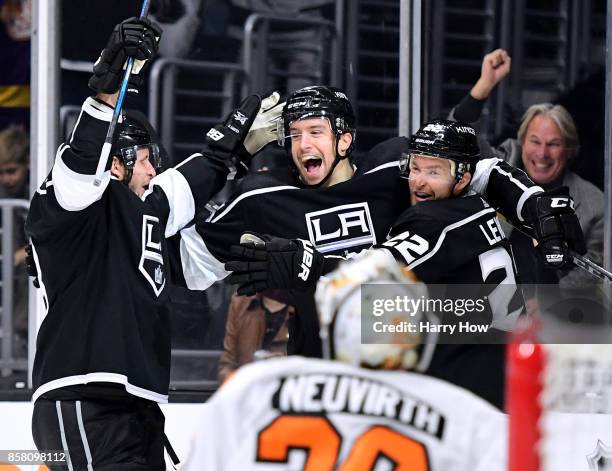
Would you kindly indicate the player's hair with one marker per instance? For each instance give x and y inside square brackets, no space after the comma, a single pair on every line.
[562,119]
[14,146]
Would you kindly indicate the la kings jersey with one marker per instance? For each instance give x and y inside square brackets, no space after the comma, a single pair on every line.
[457,241]
[457,244]
[341,219]
[103,267]
[307,414]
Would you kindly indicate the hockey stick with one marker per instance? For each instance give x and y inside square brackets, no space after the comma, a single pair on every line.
[590,266]
[577,259]
[108,141]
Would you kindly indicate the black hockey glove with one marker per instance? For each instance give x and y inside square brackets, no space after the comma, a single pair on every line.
[134,37]
[31,265]
[267,262]
[555,225]
[226,141]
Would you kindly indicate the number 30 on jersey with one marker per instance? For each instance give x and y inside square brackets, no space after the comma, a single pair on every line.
[321,441]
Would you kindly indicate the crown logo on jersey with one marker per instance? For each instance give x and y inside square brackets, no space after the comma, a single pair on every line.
[159,275]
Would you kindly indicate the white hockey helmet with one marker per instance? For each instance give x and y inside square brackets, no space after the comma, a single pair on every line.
[339,303]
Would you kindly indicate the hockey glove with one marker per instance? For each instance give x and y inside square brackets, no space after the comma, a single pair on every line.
[264,128]
[267,262]
[31,265]
[555,225]
[134,37]
[226,141]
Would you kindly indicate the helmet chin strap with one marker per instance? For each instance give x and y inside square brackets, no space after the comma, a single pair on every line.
[337,160]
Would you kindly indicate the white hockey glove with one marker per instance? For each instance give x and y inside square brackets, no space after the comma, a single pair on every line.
[264,128]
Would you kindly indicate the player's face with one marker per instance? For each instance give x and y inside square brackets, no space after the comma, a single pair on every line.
[313,149]
[143,172]
[430,179]
[13,177]
[544,150]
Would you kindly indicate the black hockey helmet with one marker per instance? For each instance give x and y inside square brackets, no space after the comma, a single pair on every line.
[131,136]
[320,101]
[452,140]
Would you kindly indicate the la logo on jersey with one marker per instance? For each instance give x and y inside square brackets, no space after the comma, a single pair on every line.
[341,227]
[151,260]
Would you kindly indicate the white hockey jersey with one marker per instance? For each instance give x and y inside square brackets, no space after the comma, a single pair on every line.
[316,415]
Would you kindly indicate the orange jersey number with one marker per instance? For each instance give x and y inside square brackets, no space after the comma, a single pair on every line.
[321,440]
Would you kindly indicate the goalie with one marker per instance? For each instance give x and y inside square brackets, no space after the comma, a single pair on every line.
[336,413]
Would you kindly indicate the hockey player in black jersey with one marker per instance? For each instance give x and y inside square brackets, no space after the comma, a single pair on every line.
[339,204]
[443,239]
[457,242]
[103,350]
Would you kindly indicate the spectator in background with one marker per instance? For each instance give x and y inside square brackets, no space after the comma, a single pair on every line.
[545,147]
[85,25]
[15,26]
[14,181]
[253,323]
[179,21]
[298,51]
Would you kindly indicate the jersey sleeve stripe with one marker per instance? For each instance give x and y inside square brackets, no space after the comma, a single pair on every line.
[191,157]
[98,110]
[523,198]
[259,191]
[442,236]
[481,174]
[75,191]
[179,196]
[200,267]
[395,163]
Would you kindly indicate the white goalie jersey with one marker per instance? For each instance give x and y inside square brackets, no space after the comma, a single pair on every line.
[316,415]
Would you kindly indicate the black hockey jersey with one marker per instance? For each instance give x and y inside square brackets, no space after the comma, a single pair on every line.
[458,248]
[456,241]
[341,219]
[103,267]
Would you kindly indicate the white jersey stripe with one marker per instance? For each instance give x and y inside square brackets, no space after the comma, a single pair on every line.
[200,267]
[60,420]
[79,415]
[177,191]
[447,229]
[102,378]
[271,189]
[395,163]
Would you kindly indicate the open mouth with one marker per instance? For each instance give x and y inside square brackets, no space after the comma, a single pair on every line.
[422,196]
[312,164]
[542,166]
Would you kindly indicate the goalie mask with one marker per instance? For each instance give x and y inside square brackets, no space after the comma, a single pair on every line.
[130,138]
[350,335]
[320,102]
[450,140]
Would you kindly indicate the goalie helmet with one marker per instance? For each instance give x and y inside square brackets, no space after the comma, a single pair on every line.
[351,336]
[451,140]
[321,101]
[131,136]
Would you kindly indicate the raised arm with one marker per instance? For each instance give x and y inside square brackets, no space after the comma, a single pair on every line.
[495,66]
